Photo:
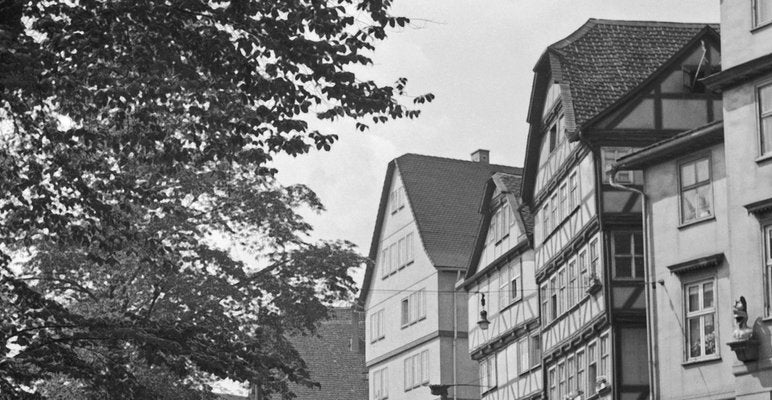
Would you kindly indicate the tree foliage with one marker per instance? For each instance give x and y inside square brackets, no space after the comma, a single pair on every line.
[137,134]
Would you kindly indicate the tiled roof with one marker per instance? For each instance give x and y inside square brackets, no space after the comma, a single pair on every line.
[339,369]
[605,59]
[445,195]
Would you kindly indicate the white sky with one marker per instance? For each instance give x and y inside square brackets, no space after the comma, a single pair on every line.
[477,57]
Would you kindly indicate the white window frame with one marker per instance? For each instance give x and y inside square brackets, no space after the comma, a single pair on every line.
[555,211]
[765,149]
[767,245]
[604,363]
[580,368]
[700,315]
[562,291]
[565,208]
[551,380]
[413,308]
[635,256]
[572,284]
[757,22]
[416,370]
[696,185]
[516,280]
[573,191]
[546,220]
[488,374]
[523,355]
[545,302]
[561,379]
[376,326]
[534,346]
[381,384]
[595,259]
[592,367]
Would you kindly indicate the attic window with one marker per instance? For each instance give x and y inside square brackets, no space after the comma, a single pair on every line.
[553,95]
[693,74]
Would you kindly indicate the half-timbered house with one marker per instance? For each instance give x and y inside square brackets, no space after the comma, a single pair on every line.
[606,89]
[503,305]
[416,322]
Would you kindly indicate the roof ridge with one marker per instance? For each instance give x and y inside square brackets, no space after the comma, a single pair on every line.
[458,160]
[592,22]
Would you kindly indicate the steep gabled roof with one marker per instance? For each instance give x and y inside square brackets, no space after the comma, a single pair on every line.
[445,195]
[606,59]
[509,186]
[598,67]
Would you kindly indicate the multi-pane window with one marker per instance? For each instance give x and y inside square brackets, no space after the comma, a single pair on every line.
[628,255]
[381,384]
[583,267]
[561,291]
[573,186]
[535,349]
[580,383]
[572,284]
[696,190]
[417,370]
[765,108]
[510,289]
[592,368]
[376,326]
[499,224]
[414,307]
[762,12]
[553,388]
[605,358]
[522,351]
[768,264]
[488,374]
[545,302]
[397,255]
[553,298]
[546,220]
[561,380]
[564,206]
[594,257]
[700,320]
[397,199]
[555,211]
[570,375]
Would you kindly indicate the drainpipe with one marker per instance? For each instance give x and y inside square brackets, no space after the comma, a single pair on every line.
[649,286]
[455,334]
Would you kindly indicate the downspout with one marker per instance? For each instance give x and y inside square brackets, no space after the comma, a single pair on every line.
[649,286]
[455,334]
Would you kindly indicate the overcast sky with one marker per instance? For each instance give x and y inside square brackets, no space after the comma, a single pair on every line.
[477,57]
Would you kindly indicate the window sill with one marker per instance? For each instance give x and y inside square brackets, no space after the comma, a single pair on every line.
[377,340]
[765,157]
[405,326]
[696,222]
[489,391]
[761,26]
[697,361]
[767,319]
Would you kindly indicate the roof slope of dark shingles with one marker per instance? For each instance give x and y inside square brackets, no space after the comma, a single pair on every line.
[605,59]
[445,195]
[513,183]
[331,362]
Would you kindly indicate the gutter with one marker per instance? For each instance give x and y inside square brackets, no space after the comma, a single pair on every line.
[649,285]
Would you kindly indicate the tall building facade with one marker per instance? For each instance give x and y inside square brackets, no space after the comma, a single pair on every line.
[606,89]
[425,229]
[503,303]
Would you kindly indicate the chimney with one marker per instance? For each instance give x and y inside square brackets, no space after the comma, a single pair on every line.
[481,156]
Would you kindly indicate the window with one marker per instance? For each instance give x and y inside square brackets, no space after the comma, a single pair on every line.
[583,271]
[592,368]
[700,320]
[768,264]
[397,256]
[573,198]
[696,190]
[605,366]
[564,208]
[385,263]
[397,199]
[488,374]
[561,291]
[381,384]
[570,375]
[628,255]
[572,285]
[762,12]
[555,213]
[553,298]
[580,371]
[509,289]
[545,301]
[535,350]
[376,326]
[561,380]
[414,308]
[552,384]
[522,351]
[594,257]
[515,276]
[764,95]
[546,213]
[417,370]
[610,156]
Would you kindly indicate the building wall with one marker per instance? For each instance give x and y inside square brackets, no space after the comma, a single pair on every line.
[740,42]
[672,244]
[750,181]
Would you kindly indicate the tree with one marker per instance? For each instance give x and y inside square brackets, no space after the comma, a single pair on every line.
[139,133]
